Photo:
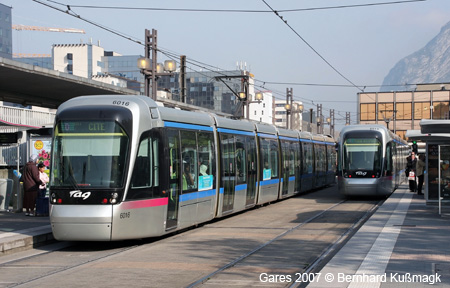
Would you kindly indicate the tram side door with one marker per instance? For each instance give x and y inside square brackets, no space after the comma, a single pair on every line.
[174,178]
[285,152]
[251,170]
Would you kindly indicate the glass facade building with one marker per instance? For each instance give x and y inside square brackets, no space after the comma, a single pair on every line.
[203,90]
[5,32]
[403,110]
[124,67]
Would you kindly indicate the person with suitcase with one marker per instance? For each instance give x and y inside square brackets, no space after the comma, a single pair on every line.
[411,167]
[42,201]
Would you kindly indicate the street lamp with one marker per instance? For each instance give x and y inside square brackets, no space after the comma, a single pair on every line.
[288,108]
[143,63]
[149,67]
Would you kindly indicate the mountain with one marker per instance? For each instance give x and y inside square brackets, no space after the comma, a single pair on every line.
[431,64]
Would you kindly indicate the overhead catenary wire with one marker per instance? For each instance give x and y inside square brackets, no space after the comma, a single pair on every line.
[70,12]
[234,10]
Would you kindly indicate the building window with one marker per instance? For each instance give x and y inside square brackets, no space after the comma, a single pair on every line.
[367,112]
[69,56]
[440,110]
[404,111]
[255,112]
[421,110]
[385,111]
[401,134]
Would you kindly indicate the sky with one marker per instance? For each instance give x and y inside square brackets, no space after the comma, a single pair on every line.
[326,55]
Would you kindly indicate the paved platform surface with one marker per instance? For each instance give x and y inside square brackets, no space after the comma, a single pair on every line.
[19,232]
[404,241]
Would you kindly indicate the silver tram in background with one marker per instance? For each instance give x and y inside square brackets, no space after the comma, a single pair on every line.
[125,168]
[371,160]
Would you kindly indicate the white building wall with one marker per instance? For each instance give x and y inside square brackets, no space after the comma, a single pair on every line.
[280,114]
[84,65]
[262,111]
[97,53]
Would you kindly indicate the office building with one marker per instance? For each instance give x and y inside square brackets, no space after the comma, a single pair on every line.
[403,110]
[5,32]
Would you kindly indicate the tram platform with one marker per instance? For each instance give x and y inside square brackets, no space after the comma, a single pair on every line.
[404,241]
[404,244]
[19,232]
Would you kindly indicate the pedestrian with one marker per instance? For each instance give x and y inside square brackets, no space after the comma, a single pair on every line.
[411,167]
[31,182]
[44,178]
[420,167]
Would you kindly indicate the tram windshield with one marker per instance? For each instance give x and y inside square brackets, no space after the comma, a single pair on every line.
[362,155]
[89,154]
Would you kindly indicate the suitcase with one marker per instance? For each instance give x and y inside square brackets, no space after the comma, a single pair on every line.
[412,185]
[42,206]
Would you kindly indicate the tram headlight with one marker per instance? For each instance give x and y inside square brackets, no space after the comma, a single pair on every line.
[114,197]
[53,198]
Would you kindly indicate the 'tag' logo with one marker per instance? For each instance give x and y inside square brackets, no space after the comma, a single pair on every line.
[79,194]
[361,173]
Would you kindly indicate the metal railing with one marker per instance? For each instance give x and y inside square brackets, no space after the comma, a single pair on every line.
[20,116]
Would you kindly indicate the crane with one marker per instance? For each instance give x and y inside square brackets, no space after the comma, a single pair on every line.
[47,29]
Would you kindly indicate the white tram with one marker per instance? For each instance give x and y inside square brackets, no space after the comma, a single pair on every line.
[371,160]
[125,168]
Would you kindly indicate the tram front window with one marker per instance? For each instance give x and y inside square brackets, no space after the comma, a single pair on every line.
[362,157]
[89,154]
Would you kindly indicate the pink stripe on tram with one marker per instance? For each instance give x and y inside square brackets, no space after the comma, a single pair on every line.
[144,203]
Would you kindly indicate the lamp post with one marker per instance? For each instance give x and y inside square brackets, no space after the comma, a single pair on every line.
[241,96]
[149,67]
[319,124]
[319,119]
[288,106]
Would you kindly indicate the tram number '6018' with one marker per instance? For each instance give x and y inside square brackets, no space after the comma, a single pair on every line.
[125,215]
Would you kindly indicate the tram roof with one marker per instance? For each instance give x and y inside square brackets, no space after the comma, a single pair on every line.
[288,133]
[305,135]
[242,125]
[182,116]
[266,128]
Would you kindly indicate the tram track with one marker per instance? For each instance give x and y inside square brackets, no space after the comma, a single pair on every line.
[50,269]
[239,259]
[206,265]
[315,266]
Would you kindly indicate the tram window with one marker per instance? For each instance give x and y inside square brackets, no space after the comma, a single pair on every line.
[207,168]
[241,160]
[269,152]
[190,159]
[141,173]
[388,162]
[146,169]
[307,158]
[274,157]
[292,160]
